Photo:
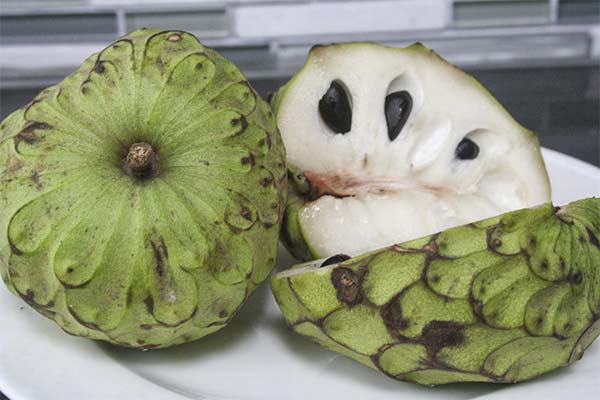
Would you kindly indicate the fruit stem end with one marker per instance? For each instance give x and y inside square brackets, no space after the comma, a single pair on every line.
[141,161]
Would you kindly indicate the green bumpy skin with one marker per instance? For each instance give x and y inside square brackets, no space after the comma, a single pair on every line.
[501,300]
[142,261]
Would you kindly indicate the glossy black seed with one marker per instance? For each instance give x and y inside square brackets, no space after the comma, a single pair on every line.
[335,109]
[397,110]
[467,150]
[338,258]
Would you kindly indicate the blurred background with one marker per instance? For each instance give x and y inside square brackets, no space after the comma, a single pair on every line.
[540,58]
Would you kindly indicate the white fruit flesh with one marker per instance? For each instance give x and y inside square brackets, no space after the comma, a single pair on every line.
[392,191]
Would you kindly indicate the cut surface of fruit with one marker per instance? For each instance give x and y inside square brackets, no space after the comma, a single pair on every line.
[500,300]
[388,144]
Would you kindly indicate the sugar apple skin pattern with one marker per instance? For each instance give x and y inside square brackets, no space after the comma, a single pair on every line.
[142,196]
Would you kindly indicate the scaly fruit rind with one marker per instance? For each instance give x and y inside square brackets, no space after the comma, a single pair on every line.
[501,300]
[153,262]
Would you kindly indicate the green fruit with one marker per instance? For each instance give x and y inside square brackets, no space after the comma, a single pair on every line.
[386,145]
[142,196]
[501,300]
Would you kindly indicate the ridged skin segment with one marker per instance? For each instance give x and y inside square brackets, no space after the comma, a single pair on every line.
[144,263]
[470,304]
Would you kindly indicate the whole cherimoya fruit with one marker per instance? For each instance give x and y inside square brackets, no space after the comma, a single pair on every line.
[386,145]
[501,300]
[142,196]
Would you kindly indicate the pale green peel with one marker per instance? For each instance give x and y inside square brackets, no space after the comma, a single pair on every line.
[473,303]
[142,262]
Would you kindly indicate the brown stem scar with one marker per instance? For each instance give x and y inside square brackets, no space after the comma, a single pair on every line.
[141,161]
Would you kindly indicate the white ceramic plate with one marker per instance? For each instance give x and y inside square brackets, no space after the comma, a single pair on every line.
[255,357]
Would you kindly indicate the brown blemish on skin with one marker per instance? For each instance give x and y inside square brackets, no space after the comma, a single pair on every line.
[28,135]
[393,318]
[89,325]
[242,121]
[575,278]
[264,182]
[99,67]
[174,38]
[14,249]
[439,334]
[248,160]
[593,238]
[149,302]
[12,166]
[431,248]
[347,285]
[35,177]
[161,252]
[246,213]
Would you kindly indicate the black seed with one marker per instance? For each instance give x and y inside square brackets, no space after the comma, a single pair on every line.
[398,106]
[467,150]
[335,109]
[338,258]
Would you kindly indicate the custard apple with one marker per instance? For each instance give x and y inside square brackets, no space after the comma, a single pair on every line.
[142,196]
[501,300]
